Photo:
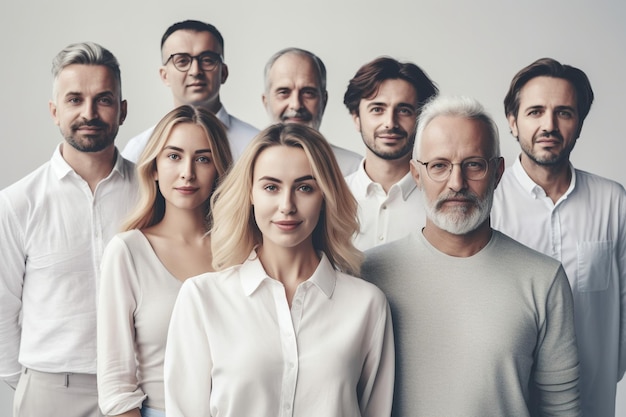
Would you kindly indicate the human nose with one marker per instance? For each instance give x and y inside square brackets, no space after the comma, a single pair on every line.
[287,204]
[549,123]
[295,102]
[90,110]
[194,66]
[188,171]
[456,181]
[391,120]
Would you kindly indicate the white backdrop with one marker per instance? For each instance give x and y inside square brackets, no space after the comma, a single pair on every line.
[470,48]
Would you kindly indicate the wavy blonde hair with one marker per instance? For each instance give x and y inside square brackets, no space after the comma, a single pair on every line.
[151,206]
[235,233]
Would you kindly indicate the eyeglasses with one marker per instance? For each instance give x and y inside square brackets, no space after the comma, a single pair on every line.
[206,60]
[473,169]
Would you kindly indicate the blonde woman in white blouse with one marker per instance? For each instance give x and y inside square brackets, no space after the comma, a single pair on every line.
[284,328]
[143,268]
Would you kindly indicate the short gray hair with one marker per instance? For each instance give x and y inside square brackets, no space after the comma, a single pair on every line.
[85,53]
[458,106]
[317,64]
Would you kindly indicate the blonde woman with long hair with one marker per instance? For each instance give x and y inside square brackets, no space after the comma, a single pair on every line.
[284,327]
[165,242]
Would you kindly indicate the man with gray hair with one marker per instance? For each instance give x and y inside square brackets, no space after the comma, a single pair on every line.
[483,325]
[54,224]
[295,92]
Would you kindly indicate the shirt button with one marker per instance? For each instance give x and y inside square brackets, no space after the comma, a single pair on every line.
[384,207]
[381,238]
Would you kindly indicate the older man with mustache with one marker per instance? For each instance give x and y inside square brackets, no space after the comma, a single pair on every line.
[483,325]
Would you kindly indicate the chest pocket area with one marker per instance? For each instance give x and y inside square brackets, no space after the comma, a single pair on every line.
[595,263]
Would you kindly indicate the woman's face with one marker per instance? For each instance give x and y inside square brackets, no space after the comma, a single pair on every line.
[286,197]
[185,169]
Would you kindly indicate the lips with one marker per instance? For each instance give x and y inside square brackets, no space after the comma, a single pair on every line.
[187,190]
[287,225]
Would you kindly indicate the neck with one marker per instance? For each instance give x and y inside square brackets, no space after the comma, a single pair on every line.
[386,172]
[93,167]
[290,266]
[184,225]
[553,179]
[462,246]
[213,106]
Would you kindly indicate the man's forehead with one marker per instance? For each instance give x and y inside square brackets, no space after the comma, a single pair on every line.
[544,87]
[293,67]
[186,40]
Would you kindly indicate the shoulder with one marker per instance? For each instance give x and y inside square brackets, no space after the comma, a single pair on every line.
[510,254]
[22,195]
[362,291]
[589,182]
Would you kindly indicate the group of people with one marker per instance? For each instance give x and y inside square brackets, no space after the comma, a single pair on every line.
[236,272]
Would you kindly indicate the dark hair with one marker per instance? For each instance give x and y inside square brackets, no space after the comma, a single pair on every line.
[549,67]
[196,26]
[368,78]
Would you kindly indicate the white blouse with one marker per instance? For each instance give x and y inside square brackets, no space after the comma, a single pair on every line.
[235,348]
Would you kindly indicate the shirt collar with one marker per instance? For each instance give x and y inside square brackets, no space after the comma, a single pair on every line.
[253,274]
[364,184]
[530,186]
[223,117]
[61,168]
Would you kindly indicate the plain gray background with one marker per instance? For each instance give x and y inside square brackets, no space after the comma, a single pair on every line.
[468,48]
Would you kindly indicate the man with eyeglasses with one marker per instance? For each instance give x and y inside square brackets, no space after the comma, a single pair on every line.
[573,216]
[483,324]
[384,99]
[192,54]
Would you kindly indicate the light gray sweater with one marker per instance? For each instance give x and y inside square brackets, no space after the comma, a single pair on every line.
[487,335]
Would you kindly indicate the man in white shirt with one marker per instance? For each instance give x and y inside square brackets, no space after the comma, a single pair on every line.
[54,224]
[295,92]
[192,54]
[384,98]
[573,216]
[483,325]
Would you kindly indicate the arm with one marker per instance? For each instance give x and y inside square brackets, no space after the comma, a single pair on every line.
[621,270]
[556,360]
[375,388]
[12,269]
[118,389]
[188,362]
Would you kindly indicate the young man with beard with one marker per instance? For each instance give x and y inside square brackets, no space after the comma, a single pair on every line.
[192,53]
[54,225]
[573,216]
[483,325]
[295,92]
[384,98]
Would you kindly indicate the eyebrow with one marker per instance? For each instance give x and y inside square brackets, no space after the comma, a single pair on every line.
[176,148]
[305,178]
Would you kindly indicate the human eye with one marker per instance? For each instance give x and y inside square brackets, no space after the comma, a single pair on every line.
[203,159]
[182,59]
[270,188]
[376,110]
[173,156]
[475,165]
[107,101]
[564,114]
[533,112]
[74,100]
[208,59]
[405,111]
[283,92]
[438,165]
[306,188]
[309,93]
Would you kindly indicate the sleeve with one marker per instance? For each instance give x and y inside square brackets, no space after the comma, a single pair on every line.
[118,389]
[188,363]
[557,373]
[621,266]
[375,387]
[12,269]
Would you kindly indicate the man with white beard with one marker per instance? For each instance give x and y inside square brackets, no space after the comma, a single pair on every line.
[483,325]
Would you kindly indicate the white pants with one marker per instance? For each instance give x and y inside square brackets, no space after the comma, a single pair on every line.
[41,394]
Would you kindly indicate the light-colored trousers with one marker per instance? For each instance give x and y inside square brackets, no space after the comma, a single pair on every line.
[40,394]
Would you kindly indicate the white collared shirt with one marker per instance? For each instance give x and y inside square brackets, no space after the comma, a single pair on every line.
[586,231]
[385,217]
[54,230]
[235,348]
[239,135]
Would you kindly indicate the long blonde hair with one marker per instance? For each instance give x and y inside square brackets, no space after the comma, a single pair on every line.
[235,233]
[151,207]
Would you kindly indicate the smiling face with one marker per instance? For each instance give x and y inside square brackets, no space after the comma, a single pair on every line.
[457,205]
[88,107]
[547,123]
[294,94]
[286,198]
[388,120]
[185,170]
[194,86]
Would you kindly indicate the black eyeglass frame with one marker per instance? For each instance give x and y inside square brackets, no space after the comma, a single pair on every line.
[217,57]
